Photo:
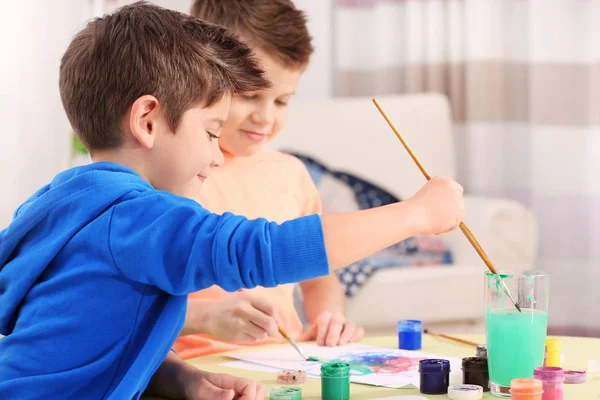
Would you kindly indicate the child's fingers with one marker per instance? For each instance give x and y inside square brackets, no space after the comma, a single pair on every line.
[457,187]
[262,321]
[335,329]
[208,391]
[359,334]
[260,392]
[263,304]
[252,333]
[246,389]
[322,323]
[348,332]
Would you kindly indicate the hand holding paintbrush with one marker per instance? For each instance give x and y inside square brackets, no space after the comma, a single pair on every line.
[258,309]
[462,225]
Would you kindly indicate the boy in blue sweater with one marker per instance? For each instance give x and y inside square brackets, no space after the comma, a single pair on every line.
[96,266]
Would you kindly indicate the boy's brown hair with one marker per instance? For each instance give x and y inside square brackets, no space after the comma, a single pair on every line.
[142,49]
[275,26]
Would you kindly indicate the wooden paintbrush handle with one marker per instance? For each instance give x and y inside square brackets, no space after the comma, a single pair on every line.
[477,247]
[463,226]
[459,340]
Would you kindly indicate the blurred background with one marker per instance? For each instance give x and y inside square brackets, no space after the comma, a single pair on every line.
[521,78]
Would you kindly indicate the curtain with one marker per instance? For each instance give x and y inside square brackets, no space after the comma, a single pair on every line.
[523,79]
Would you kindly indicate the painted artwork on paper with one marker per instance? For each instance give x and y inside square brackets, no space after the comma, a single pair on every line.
[368,364]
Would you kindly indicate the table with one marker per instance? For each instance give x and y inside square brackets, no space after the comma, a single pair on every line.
[577,353]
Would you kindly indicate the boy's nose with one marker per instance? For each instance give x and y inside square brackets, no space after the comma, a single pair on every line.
[218,158]
[265,115]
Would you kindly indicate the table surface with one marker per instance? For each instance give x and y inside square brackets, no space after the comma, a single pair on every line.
[577,352]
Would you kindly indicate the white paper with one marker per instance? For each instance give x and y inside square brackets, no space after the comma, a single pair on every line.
[371,365]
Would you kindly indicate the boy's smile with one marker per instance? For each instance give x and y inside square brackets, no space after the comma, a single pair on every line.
[201,178]
[254,136]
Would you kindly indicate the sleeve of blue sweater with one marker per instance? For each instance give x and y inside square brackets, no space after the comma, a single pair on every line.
[175,244]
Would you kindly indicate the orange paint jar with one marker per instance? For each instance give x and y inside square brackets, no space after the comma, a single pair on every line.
[526,389]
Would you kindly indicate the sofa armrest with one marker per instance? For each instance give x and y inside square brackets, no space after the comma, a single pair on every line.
[506,230]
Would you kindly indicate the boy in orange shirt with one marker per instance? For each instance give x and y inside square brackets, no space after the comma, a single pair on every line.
[258,182]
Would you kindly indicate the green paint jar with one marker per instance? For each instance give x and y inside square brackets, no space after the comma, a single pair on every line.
[286,393]
[335,381]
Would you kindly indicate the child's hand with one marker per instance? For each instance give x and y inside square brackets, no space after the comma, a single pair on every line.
[440,206]
[203,385]
[333,330]
[242,318]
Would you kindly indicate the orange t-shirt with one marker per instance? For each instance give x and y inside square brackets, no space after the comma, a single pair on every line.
[269,185]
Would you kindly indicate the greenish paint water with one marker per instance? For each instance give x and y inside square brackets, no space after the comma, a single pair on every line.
[515,343]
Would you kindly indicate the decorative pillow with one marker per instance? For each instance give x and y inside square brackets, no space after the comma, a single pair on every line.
[336,195]
[341,192]
[367,194]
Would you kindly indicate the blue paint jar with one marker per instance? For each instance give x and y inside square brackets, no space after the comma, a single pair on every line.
[435,376]
[409,334]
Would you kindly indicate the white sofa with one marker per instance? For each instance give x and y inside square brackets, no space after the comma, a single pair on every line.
[350,134]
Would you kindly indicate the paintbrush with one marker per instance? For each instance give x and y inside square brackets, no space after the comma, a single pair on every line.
[463,226]
[291,341]
[459,340]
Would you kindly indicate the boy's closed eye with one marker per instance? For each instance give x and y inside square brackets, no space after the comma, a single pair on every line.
[255,96]
[249,96]
[212,136]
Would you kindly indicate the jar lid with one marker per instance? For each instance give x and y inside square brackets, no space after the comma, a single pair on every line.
[465,392]
[411,325]
[526,386]
[285,393]
[575,376]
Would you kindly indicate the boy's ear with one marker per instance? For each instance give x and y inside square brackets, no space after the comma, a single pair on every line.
[144,120]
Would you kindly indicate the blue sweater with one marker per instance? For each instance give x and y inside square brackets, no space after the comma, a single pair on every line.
[95,269]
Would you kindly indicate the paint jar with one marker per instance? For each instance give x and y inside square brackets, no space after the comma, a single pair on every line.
[335,381]
[552,356]
[475,372]
[481,351]
[526,389]
[515,338]
[410,333]
[552,381]
[435,376]
[285,393]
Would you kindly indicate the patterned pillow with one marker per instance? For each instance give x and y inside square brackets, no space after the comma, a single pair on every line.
[367,194]
[342,191]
